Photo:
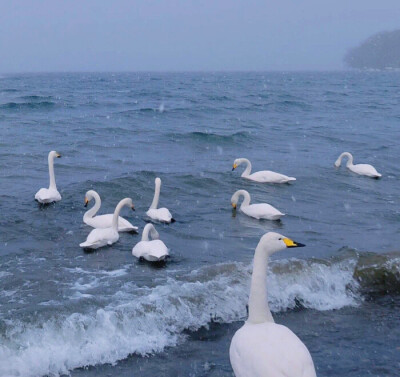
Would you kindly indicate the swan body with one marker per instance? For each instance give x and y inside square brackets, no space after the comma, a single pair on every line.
[262,348]
[100,237]
[361,169]
[153,250]
[258,211]
[51,194]
[264,176]
[103,221]
[159,214]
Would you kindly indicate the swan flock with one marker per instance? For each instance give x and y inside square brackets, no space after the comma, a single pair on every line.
[260,348]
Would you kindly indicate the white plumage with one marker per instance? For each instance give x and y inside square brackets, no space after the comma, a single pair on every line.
[51,194]
[153,250]
[257,211]
[262,348]
[264,176]
[103,221]
[361,169]
[106,236]
[158,214]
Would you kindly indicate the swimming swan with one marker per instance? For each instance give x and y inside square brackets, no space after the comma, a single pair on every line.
[262,348]
[51,194]
[258,211]
[159,214]
[264,176]
[103,221]
[153,250]
[361,169]
[106,236]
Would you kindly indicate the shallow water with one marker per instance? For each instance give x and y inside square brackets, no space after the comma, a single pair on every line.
[62,309]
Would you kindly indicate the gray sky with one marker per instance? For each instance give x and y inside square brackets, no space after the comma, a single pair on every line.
[165,35]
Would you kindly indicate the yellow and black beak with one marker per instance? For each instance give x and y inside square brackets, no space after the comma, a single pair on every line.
[86,202]
[133,207]
[234,167]
[290,243]
[234,205]
[58,155]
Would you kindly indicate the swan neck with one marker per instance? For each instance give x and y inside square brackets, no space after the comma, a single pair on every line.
[52,184]
[246,198]
[349,158]
[149,229]
[259,311]
[156,197]
[117,210]
[247,171]
[92,211]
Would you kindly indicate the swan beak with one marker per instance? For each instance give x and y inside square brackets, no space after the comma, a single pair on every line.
[86,202]
[234,167]
[290,243]
[133,208]
[58,155]
[234,205]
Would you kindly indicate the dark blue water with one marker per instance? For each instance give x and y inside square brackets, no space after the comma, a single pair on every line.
[105,313]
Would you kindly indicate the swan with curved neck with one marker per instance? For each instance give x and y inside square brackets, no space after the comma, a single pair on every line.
[107,236]
[153,250]
[50,194]
[257,211]
[361,169]
[262,348]
[103,221]
[264,176]
[158,214]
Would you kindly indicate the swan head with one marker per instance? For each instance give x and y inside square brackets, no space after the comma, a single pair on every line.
[54,154]
[89,196]
[272,242]
[236,163]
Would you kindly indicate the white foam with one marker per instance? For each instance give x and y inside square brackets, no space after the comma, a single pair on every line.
[145,320]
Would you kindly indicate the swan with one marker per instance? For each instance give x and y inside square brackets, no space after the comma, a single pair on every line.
[262,348]
[361,169]
[258,211]
[103,221]
[153,250]
[106,236]
[51,194]
[265,176]
[159,214]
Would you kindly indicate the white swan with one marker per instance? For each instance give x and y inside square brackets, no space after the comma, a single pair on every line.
[361,169]
[258,211]
[262,348]
[51,194]
[159,214]
[106,236]
[153,250]
[103,221]
[265,176]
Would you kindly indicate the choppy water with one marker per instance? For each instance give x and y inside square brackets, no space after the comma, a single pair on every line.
[64,311]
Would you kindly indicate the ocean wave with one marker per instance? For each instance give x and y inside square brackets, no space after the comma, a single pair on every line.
[145,320]
[27,105]
[210,137]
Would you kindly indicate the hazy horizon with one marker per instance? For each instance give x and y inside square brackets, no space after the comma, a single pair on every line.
[179,36]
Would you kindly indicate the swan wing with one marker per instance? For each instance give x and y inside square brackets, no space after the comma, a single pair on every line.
[152,251]
[267,176]
[365,169]
[262,211]
[100,237]
[269,350]
[47,196]
[160,214]
[105,221]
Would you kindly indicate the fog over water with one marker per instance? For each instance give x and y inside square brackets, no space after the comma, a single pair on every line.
[179,35]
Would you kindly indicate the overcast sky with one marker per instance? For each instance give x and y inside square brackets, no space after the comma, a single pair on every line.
[174,35]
